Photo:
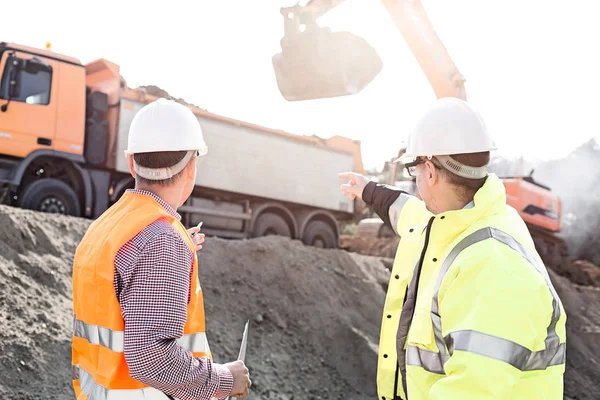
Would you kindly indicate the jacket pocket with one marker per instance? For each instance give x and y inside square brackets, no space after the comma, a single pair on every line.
[420,333]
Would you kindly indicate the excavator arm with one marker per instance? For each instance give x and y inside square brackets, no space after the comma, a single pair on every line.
[410,18]
[317,63]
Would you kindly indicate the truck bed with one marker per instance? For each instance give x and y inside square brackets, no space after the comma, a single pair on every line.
[255,162]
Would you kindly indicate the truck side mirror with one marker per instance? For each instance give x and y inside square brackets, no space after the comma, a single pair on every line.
[13,84]
[13,81]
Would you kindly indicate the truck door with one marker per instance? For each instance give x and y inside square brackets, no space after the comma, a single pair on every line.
[27,103]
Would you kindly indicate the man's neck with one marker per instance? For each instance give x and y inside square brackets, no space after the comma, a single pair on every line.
[169,194]
[451,201]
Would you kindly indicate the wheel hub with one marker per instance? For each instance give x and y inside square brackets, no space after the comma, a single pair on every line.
[53,205]
[319,242]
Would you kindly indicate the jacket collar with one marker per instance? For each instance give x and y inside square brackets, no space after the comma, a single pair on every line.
[490,199]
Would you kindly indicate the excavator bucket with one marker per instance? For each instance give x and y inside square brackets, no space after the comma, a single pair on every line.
[317,63]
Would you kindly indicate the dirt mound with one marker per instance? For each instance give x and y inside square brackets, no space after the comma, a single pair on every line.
[370,245]
[585,273]
[314,314]
[158,92]
[35,306]
[582,304]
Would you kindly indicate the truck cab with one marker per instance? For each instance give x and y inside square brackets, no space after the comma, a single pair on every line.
[44,117]
[42,102]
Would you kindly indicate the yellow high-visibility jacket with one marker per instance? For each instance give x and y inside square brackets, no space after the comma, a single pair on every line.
[470,311]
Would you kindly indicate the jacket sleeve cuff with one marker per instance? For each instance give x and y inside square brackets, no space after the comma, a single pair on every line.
[368,192]
[225,381]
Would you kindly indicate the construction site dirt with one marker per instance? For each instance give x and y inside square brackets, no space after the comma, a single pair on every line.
[314,314]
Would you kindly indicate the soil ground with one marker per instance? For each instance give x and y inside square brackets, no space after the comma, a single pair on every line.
[314,314]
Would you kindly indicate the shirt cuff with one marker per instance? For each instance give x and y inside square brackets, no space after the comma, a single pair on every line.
[225,381]
[368,191]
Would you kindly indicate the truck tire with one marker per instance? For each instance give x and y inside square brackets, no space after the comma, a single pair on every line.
[320,234]
[271,224]
[51,196]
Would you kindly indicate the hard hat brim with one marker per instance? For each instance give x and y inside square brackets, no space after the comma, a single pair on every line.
[408,157]
[202,150]
[405,158]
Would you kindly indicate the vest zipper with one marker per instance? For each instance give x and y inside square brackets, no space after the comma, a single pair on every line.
[396,397]
[417,276]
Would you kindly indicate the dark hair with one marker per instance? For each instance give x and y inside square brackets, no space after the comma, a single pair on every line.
[467,187]
[160,159]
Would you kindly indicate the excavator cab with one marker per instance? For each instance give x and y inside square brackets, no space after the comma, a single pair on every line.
[315,62]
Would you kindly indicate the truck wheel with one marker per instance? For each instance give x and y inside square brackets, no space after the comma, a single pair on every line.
[319,234]
[51,196]
[271,224]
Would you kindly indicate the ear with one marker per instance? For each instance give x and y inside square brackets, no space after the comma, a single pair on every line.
[433,174]
[130,163]
[190,169]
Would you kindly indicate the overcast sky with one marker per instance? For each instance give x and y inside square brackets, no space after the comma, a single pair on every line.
[532,67]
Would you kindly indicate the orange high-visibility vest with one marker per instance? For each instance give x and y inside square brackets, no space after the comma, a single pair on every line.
[99,367]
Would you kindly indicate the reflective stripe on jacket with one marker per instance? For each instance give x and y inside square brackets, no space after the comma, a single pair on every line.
[470,311]
[99,367]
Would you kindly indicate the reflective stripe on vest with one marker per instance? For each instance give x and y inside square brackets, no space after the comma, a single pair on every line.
[114,340]
[396,209]
[486,345]
[481,343]
[94,391]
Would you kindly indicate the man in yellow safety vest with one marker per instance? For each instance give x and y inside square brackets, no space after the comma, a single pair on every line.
[470,311]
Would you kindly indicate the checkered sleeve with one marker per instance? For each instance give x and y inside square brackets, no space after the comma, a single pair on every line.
[154,292]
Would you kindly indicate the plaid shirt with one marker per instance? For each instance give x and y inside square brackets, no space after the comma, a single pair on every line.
[152,282]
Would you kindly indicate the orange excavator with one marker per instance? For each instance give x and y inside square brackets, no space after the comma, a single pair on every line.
[317,63]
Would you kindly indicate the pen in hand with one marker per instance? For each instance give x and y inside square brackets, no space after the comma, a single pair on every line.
[198,226]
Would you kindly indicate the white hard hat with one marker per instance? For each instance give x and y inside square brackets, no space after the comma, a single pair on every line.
[165,125]
[450,126]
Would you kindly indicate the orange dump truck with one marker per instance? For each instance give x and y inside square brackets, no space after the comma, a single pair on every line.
[64,127]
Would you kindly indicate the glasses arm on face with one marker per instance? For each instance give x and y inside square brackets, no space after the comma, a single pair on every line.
[413,164]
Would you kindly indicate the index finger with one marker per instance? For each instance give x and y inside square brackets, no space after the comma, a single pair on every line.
[348,175]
